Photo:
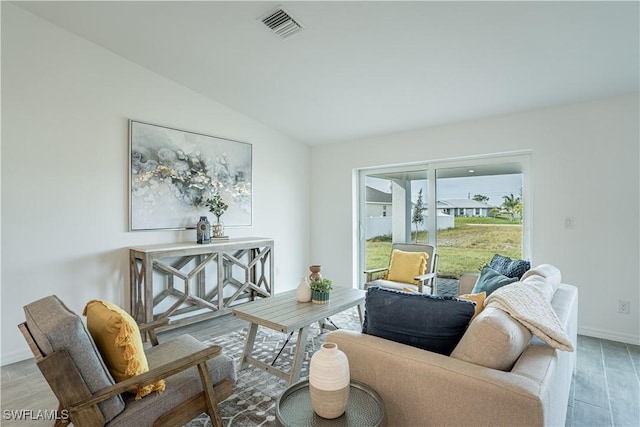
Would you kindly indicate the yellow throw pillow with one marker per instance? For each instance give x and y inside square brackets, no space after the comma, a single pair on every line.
[404,266]
[118,339]
[478,299]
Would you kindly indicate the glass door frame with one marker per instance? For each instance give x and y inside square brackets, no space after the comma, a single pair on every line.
[361,211]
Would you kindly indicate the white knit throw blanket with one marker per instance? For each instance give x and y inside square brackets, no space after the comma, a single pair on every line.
[529,306]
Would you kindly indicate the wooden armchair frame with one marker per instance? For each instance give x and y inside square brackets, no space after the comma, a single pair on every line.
[81,404]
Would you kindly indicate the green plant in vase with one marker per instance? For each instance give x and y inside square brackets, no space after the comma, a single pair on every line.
[320,290]
[217,206]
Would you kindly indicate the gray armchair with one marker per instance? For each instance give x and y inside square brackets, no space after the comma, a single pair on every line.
[197,377]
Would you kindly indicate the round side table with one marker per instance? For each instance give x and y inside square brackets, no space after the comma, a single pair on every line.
[364,408]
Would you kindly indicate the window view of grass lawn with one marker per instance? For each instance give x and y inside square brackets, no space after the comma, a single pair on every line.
[467,246]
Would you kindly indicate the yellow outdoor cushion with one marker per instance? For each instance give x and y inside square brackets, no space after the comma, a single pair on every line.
[478,299]
[404,266]
[118,339]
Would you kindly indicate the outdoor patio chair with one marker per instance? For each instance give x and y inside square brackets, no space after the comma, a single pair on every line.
[412,266]
[196,376]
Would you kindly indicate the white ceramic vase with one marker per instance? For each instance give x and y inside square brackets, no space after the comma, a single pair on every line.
[303,293]
[329,381]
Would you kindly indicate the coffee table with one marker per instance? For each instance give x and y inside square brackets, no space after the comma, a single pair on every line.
[284,313]
[364,408]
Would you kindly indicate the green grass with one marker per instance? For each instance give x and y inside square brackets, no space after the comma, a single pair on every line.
[466,247]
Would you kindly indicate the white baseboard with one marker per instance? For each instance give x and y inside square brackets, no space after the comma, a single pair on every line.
[15,356]
[608,335]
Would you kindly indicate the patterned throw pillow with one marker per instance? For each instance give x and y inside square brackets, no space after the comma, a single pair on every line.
[509,267]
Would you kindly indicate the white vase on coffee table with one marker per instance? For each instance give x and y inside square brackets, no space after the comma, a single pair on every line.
[303,293]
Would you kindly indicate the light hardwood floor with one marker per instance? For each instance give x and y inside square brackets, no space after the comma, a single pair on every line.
[605,389]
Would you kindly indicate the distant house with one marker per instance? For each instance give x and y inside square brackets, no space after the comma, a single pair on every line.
[378,203]
[379,212]
[464,207]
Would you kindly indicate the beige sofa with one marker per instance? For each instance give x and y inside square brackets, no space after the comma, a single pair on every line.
[421,388]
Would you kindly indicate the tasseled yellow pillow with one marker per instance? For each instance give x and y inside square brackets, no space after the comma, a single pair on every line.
[118,339]
[404,266]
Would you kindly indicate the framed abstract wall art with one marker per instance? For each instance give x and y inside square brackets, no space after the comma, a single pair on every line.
[173,172]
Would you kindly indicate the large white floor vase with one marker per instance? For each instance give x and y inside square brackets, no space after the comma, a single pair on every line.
[329,381]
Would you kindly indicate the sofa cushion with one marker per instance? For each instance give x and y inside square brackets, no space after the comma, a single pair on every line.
[509,267]
[404,266]
[54,327]
[425,321]
[493,340]
[477,299]
[118,338]
[490,280]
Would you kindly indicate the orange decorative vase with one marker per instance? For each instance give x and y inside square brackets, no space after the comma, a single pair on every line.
[315,272]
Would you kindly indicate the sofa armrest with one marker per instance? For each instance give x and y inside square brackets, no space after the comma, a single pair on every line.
[447,389]
[467,281]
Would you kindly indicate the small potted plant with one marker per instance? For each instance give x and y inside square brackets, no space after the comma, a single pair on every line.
[217,206]
[320,289]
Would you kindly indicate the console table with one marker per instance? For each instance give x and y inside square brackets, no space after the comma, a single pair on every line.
[189,282]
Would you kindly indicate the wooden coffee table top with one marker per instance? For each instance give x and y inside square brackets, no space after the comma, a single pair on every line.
[284,313]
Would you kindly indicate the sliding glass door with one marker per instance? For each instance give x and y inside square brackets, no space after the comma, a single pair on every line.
[468,209]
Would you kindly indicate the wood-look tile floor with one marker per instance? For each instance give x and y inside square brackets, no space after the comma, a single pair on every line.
[605,389]
[606,385]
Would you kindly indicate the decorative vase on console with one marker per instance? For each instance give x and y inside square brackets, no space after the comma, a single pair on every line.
[329,381]
[303,293]
[217,229]
[203,233]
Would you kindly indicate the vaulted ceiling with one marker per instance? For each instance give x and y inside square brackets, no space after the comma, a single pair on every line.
[359,69]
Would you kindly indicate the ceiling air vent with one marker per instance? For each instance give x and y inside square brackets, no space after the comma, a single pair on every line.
[282,23]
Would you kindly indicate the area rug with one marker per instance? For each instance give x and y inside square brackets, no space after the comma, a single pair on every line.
[256,391]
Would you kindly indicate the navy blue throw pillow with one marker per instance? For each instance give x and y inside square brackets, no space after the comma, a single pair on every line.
[428,322]
[509,267]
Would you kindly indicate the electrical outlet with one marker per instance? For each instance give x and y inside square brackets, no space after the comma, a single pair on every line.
[568,222]
[623,307]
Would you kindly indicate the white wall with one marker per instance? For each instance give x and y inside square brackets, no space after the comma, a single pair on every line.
[585,164]
[65,108]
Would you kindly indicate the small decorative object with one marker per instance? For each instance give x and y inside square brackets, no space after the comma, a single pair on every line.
[217,230]
[329,381]
[320,290]
[203,232]
[315,272]
[303,293]
[217,206]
